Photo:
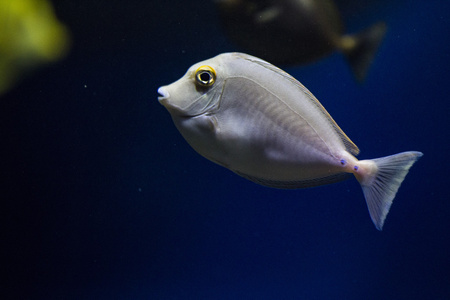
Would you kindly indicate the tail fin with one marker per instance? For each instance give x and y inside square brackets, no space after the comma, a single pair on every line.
[382,183]
[361,51]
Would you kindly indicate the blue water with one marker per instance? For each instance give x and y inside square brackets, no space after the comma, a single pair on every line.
[103,199]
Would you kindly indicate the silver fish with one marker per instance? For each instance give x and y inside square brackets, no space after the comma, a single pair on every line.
[258,121]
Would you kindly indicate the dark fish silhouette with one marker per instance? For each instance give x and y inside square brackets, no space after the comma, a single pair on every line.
[297,32]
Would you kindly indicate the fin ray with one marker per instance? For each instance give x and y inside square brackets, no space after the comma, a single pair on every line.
[381,187]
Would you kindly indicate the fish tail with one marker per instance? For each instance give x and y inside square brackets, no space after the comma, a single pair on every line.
[360,49]
[380,180]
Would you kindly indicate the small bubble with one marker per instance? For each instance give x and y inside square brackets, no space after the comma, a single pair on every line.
[343,162]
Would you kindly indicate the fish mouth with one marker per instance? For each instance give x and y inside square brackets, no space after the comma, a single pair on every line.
[163,94]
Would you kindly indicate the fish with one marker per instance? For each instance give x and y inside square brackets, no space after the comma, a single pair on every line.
[30,36]
[258,121]
[294,32]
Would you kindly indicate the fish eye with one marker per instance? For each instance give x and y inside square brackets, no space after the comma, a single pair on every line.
[205,76]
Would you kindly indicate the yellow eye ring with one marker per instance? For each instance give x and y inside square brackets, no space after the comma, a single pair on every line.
[205,76]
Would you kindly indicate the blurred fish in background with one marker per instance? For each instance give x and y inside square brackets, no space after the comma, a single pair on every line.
[30,36]
[292,32]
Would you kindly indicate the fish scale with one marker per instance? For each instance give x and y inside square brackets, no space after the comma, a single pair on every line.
[285,126]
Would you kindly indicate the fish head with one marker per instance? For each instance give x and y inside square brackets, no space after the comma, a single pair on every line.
[196,93]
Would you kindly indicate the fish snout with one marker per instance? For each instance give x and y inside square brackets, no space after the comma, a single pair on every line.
[163,95]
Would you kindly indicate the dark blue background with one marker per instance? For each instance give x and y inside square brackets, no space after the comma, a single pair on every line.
[101,198]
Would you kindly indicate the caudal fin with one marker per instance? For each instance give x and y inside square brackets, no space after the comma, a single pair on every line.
[361,51]
[380,185]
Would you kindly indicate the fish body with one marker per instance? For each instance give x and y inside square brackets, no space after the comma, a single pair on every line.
[297,32]
[253,118]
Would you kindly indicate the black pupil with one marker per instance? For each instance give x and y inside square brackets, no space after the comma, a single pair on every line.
[205,77]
